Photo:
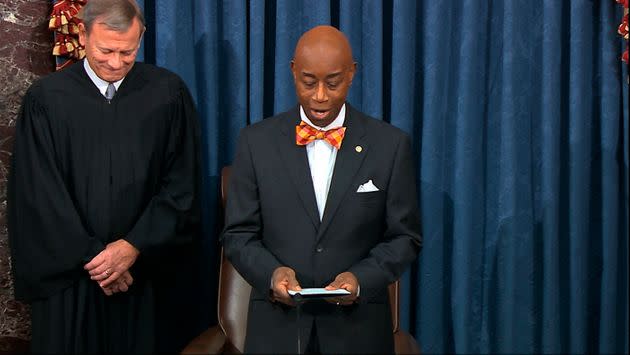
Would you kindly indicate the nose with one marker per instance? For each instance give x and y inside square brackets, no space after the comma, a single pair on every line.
[320,93]
[114,61]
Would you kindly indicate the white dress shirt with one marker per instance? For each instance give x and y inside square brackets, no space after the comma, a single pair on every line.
[100,83]
[321,159]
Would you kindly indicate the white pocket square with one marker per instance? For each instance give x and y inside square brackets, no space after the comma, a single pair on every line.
[368,187]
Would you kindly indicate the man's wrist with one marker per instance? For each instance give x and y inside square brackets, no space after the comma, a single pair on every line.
[133,247]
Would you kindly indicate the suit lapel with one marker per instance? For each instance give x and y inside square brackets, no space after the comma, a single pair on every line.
[347,164]
[296,163]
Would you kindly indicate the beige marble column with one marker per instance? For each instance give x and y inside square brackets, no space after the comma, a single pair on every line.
[25,55]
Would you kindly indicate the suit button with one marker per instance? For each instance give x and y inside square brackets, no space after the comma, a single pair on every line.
[319,249]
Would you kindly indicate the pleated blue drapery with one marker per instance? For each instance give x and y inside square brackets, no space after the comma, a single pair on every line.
[519,115]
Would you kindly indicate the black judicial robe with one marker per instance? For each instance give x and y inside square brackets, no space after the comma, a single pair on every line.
[86,172]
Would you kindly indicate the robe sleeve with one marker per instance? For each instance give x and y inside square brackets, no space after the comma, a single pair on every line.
[48,240]
[172,214]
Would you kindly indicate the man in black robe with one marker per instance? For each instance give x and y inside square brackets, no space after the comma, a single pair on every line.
[103,183]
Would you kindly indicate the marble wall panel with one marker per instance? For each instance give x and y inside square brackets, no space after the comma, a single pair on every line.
[25,55]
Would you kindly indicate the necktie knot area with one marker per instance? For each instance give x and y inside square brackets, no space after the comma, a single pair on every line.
[305,134]
[110,92]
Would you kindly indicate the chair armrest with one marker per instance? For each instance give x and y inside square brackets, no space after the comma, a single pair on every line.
[211,341]
[405,343]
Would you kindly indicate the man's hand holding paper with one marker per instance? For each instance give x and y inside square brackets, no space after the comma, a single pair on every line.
[347,281]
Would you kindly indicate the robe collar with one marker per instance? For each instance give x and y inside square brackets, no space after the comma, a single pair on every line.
[100,83]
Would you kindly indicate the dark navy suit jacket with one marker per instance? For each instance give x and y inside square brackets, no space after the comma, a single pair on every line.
[272,221]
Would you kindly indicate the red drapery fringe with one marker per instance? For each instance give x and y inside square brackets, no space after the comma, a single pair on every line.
[623,27]
[65,24]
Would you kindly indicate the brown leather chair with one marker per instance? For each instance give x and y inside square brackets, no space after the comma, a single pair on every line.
[228,337]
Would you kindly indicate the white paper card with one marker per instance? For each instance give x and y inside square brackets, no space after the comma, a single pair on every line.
[321,292]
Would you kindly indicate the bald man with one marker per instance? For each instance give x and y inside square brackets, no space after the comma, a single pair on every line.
[321,196]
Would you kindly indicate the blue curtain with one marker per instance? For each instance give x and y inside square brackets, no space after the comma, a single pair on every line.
[519,114]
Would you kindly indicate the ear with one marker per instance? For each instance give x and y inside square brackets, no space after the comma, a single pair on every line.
[82,34]
[144,29]
[292,65]
[353,69]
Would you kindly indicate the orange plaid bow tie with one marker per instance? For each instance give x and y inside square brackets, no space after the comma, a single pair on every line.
[304,134]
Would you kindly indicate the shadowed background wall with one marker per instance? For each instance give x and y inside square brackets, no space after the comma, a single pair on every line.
[25,47]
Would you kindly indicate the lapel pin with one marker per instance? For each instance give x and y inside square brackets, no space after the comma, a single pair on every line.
[358,148]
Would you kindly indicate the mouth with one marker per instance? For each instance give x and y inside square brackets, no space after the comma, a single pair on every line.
[319,114]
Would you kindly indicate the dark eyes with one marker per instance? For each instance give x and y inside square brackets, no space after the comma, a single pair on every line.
[124,53]
[311,84]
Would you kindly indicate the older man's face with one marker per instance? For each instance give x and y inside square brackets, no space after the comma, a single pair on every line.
[322,76]
[111,54]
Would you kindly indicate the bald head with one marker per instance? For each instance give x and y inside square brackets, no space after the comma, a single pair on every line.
[323,69]
[324,41]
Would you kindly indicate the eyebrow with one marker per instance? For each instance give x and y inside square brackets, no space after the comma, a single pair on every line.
[112,50]
[329,76]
